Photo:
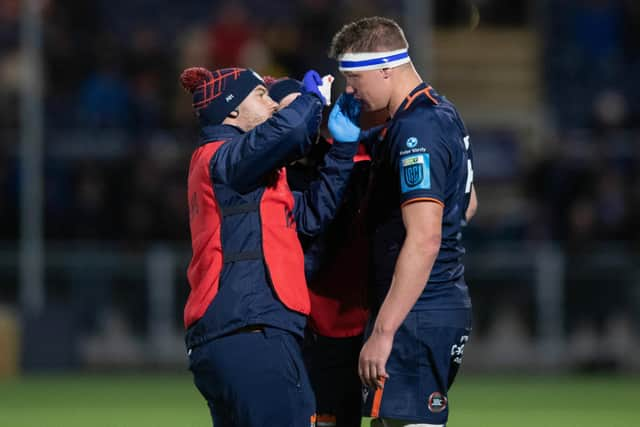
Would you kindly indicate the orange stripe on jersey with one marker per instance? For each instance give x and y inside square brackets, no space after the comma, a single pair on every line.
[377,399]
[422,199]
[326,420]
[426,92]
[312,421]
[383,133]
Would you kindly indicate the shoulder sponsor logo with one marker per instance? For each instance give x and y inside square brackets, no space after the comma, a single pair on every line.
[412,142]
[413,151]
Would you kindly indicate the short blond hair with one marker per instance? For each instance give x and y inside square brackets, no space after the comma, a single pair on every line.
[373,34]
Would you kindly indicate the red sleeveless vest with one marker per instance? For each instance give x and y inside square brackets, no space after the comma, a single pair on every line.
[281,248]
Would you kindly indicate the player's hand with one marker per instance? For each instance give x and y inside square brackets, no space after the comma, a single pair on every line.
[311,83]
[343,119]
[373,360]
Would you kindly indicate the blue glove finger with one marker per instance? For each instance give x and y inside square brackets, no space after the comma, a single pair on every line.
[310,83]
[311,77]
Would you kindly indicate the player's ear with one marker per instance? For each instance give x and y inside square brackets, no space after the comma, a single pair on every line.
[234,114]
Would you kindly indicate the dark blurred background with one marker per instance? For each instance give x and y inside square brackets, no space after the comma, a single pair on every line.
[95,145]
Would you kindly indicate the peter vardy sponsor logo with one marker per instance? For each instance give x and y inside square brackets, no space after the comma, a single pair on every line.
[413,151]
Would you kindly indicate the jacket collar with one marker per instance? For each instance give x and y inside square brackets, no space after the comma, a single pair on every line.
[218,133]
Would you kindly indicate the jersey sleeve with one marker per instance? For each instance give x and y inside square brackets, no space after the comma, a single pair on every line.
[420,159]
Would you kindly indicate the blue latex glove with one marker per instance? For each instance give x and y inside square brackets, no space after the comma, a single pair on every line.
[344,119]
[310,83]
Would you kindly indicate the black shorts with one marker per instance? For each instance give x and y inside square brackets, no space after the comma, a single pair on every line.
[332,364]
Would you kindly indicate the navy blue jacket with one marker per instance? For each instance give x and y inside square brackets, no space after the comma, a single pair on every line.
[241,169]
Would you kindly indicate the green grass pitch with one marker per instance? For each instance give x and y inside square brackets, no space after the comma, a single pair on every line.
[171,400]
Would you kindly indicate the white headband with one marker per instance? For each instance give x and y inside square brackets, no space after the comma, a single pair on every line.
[372,60]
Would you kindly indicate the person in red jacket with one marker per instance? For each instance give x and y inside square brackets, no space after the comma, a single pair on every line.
[247,307]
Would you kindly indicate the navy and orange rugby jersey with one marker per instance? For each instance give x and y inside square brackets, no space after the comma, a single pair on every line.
[423,155]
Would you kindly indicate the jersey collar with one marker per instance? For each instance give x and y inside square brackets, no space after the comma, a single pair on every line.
[423,90]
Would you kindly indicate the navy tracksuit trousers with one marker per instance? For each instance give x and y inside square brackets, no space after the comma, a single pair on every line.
[254,379]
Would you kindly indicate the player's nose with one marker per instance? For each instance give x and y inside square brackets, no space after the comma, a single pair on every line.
[350,90]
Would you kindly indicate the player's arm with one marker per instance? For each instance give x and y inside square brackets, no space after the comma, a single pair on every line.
[473,205]
[423,222]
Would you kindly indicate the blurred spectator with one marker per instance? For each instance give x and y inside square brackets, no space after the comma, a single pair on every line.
[257,55]
[229,33]
[8,197]
[609,112]
[144,66]
[9,90]
[597,30]
[631,31]
[9,62]
[71,32]
[105,99]
[93,213]
[9,15]
[591,47]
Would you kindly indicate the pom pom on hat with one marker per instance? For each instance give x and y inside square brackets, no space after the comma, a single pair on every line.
[193,77]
